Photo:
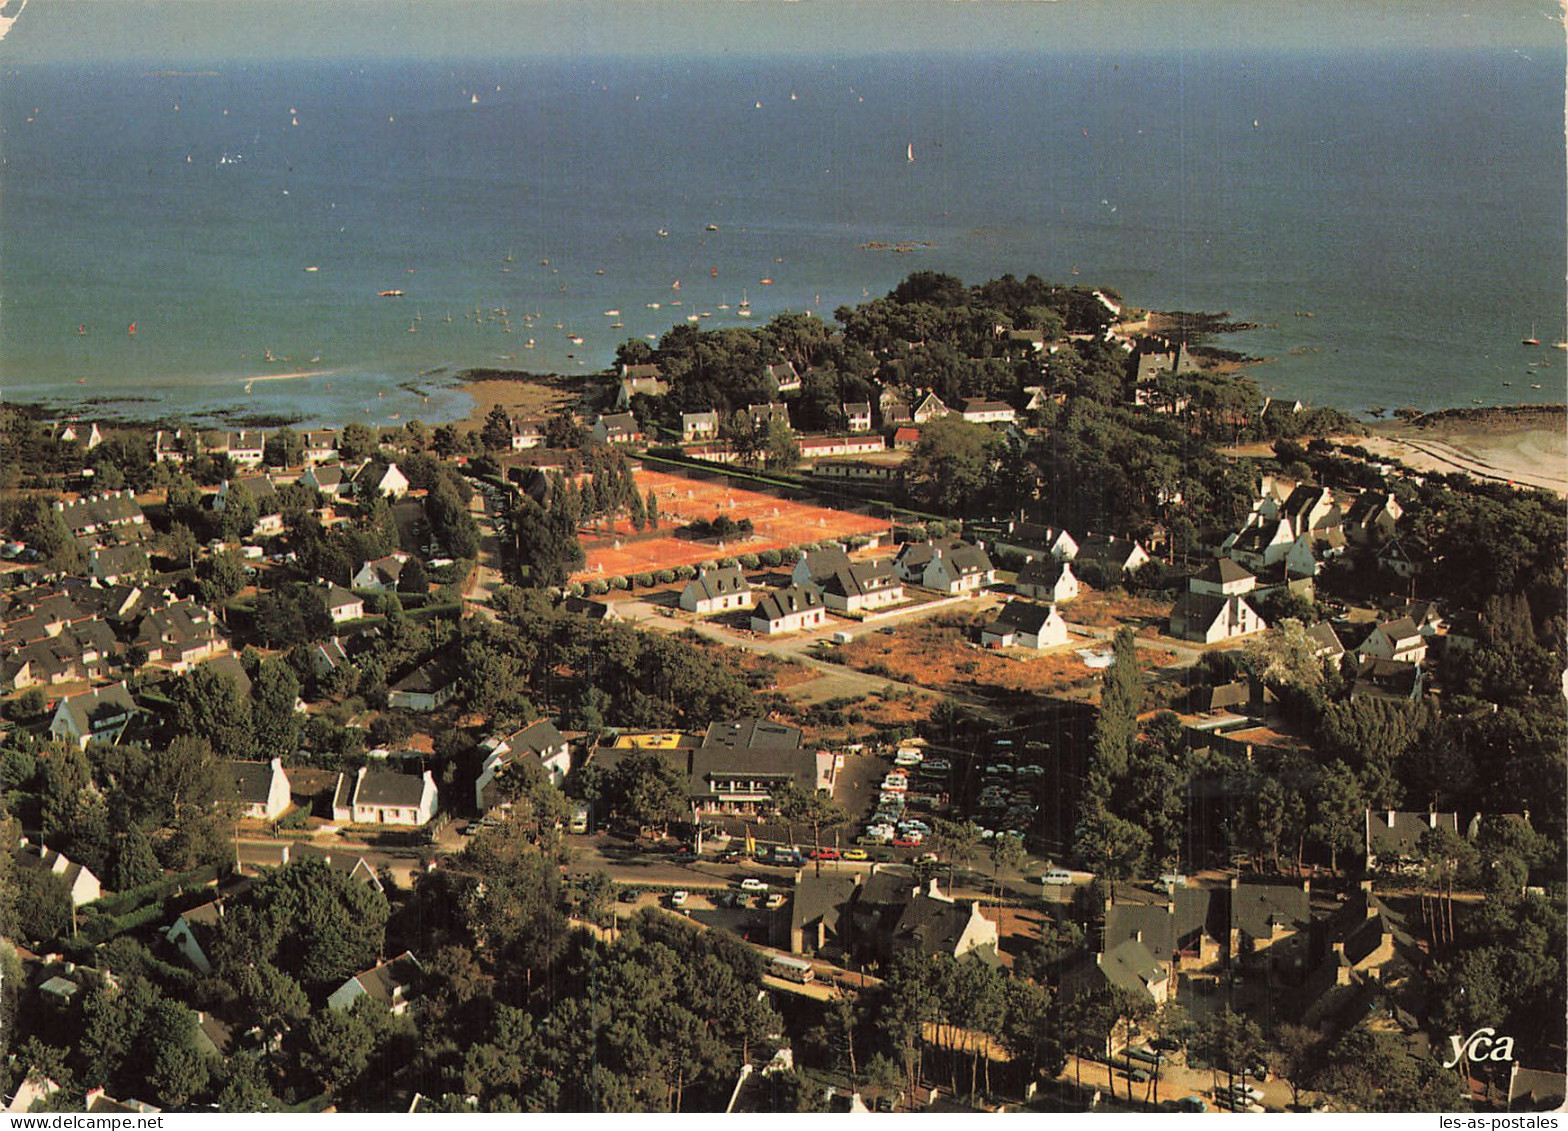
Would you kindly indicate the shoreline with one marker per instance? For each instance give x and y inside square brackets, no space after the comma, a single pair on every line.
[1522,445]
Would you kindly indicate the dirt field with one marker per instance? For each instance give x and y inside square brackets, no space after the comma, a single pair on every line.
[777,523]
[935,653]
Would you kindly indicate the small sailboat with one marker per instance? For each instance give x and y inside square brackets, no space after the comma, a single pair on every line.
[909,153]
[474,101]
[1532,340]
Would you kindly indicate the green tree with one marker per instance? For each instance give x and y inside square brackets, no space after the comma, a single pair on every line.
[284,448]
[647,790]
[357,441]
[953,466]
[240,512]
[653,509]
[43,905]
[135,863]
[245,1085]
[315,924]
[414,578]
[275,722]
[209,706]
[496,433]
[780,451]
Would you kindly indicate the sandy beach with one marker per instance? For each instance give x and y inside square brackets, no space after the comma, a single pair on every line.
[523,399]
[1522,445]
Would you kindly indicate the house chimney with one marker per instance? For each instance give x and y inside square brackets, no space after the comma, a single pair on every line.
[1391,816]
[1306,887]
[931,889]
[1235,882]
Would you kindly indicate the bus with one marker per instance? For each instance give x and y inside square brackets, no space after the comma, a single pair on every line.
[791,969]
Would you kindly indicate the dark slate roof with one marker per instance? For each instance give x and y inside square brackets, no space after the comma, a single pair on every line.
[1237,693]
[725,581]
[1402,836]
[1323,635]
[1198,610]
[752,734]
[861,578]
[1387,679]
[1043,572]
[826,562]
[1255,909]
[339,597]
[791,599]
[931,925]
[1130,966]
[229,667]
[1021,616]
[1223,571]
[1105,550]
[825,898]
[761,764]
[619,423]
[252,781]
[383,787]
[586,607]
[382,982]
[438,672]
[537,736]
[966,558]
[101,702]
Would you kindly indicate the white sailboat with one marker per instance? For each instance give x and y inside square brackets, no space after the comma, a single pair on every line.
[909,153]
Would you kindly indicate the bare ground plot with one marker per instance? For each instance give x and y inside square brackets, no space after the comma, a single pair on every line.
[937,653]
[776,523]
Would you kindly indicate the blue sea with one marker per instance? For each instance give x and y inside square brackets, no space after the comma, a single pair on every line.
[244,216]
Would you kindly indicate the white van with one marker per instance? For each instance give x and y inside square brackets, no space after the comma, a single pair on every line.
[1056,877]
[840,638]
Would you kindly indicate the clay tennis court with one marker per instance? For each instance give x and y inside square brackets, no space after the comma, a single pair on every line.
[777,523]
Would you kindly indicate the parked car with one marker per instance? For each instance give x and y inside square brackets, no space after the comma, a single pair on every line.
[1057,876]
[856,854]
[1245,1090]
[775,901]
[824,854]
[678,898]
[751,883]
[906,842]
[1139,1076]
[1191,1103]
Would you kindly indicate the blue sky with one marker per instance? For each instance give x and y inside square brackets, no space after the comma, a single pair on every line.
[172,31]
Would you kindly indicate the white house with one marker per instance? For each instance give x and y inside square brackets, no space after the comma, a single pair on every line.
[988,412]
[1116,557]
[697,426]
[539,740]
[391,983]
[717,591]
[1395,640]
[378,477]
[1030,540]
[820,447]
[929,408]
[617,428]
[784,375]
[1047,579]
[381,797]
[321,445]
[186,931]
[342,605]
[428,687]
[1025,625]
[1207,618]
[82,883]
[862,586]
[858,415]
[527,434]
[1261,544]
[380,574]
[959,569]
[262,788]
[328,478]
[789,610]
[99,715]
[1222,577]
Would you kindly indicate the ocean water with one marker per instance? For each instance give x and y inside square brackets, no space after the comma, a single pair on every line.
[1413,202]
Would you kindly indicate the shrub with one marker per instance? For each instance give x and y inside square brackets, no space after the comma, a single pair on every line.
[726,563]
[709,564]
[574,589]
[749,561]
[768,558]
[936,529]
[598,587]
[644,580]
[619,582]
[665,576]
[685,572]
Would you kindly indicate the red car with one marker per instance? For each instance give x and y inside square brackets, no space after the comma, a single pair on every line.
[824,854]
[905,842]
